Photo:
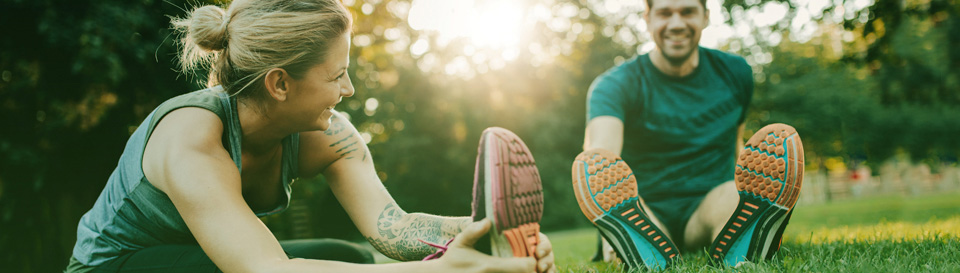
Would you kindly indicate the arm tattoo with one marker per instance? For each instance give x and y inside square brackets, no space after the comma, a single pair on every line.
[335,126]
[347,144]
[398,233]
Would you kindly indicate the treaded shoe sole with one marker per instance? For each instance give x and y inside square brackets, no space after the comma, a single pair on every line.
[507,190]
[606,189]
[769,174]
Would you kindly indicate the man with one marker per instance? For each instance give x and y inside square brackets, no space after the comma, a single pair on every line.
[676,116]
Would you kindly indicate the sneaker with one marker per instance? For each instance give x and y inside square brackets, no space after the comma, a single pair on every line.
[606,189]
[506,189]
[769,174]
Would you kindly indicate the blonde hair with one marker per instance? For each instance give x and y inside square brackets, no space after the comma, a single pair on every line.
[251,37]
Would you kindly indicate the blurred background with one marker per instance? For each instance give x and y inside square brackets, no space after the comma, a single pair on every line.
[872,86]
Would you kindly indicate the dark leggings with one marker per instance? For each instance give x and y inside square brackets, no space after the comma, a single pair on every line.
[190,258]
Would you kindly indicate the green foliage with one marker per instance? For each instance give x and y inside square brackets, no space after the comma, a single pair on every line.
[76,75]
[427,163]
[873,81]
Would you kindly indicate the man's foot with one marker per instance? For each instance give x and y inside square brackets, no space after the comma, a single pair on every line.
[507,190]
[607,192]
[769,174]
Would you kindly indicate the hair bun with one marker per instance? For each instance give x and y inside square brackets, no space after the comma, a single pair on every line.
[208,28]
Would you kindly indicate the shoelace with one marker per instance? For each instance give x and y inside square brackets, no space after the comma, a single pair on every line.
[440,249]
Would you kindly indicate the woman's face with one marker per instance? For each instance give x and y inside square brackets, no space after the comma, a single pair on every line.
[322,87]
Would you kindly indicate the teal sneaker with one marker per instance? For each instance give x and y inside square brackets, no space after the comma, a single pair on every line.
[769,174]
[606,189]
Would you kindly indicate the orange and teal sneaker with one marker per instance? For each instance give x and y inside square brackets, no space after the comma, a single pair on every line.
[606,189]
[507,190]
[769,174]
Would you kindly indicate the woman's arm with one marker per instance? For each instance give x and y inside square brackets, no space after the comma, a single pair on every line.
[398,232]
[185,159]
[342,156]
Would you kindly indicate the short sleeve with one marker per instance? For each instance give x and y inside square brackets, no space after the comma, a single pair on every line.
[606,97]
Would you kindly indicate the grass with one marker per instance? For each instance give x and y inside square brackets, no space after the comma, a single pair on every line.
[883,234]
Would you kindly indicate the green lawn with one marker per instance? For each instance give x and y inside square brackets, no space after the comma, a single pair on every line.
[883,234]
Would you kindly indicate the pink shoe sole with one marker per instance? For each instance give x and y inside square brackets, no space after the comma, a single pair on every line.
[507,190]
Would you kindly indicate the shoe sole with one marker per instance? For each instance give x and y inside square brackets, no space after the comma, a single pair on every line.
[606,189]
[511,193]
[769,174]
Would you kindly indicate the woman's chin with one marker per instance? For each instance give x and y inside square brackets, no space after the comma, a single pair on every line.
[321,126]
[324,121]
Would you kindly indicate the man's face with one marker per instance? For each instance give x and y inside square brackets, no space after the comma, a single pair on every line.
[676,26]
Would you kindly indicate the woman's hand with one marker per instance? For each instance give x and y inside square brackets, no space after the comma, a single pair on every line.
[545,256]
[462,257]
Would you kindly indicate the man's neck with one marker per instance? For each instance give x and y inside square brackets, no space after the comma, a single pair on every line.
[684,68]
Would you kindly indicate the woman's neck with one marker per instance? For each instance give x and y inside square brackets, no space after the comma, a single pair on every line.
[260,134]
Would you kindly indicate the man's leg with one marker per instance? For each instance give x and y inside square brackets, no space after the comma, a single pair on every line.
[712,213]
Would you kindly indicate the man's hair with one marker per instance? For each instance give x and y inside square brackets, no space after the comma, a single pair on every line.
[703,3]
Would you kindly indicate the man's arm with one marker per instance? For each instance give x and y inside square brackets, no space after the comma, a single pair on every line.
[736,153]
[604,132]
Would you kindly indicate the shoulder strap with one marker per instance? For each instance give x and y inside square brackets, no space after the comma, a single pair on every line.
[232,129]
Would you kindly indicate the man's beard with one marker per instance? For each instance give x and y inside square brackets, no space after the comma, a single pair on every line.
[678,60]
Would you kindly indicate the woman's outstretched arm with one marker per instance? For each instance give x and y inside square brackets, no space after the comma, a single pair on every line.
[191,166]
[341,154]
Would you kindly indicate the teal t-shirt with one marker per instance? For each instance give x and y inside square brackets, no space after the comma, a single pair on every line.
[679,133]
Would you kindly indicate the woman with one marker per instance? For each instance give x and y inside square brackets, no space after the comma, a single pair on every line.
[202,167]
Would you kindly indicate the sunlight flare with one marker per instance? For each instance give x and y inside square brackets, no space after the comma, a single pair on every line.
[494,24]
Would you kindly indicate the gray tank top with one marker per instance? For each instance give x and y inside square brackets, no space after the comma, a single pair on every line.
[132,214]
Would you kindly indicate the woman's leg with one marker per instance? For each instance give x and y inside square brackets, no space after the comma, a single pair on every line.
[327,249]
[190,258]
[167,258]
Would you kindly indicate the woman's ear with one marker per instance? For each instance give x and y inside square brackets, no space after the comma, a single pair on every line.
[277,82]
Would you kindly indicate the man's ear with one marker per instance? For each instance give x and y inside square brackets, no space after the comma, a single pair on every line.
[277,82]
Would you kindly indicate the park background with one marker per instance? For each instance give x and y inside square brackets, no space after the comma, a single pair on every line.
[873,87]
